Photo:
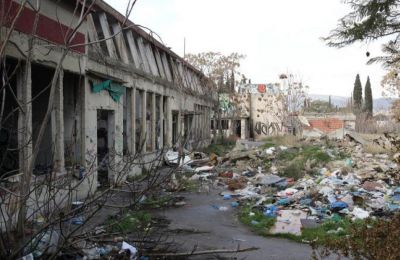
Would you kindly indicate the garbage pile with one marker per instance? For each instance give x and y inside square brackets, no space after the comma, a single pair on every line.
[339,180]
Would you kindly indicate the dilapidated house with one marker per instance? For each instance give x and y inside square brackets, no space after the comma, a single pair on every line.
[118,91]
[254,111]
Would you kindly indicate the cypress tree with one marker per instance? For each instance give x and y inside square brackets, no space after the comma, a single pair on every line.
[232,81]
[357,94]
[368,97]
[330,103]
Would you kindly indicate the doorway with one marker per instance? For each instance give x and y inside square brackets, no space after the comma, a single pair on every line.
[175,115]
[238,128]
[105,139]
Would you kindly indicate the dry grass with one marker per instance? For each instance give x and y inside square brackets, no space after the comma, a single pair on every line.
[375,149]
[285,140]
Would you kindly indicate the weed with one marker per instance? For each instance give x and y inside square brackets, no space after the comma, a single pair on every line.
[295,159]
[130,221]
[157,202]
[285,140]
[330,230]
[375,149]
[257,221]
[219,149]
[367,239]
[294,169]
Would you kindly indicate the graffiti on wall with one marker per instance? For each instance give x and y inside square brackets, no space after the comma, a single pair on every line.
[258,88]
[225,103]
[268,128]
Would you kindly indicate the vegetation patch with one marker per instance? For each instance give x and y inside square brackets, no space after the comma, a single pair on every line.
[284,140]
[294,160]
[330,230]
[157,202]
[129,222]
[255,219]
[219,149]
[368,239]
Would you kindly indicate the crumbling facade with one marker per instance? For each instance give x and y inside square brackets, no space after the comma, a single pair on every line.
[254,111]
[119,91]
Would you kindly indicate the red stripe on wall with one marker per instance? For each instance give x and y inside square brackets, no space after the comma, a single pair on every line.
[47,28]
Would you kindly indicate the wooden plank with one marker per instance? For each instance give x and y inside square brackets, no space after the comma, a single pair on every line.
[92,33]
[142,50]
[119,39]
[181,74]
[107,34]
[151,59]
[159,63]
[166,66]
[137,60]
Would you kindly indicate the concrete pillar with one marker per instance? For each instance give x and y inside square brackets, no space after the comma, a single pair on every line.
[161,122]
[144,138]
[89,139]
[203,123]
[168,123]
[57,125]
[179,126]
[24,94]
[153,122]
[133,121]
[243,128]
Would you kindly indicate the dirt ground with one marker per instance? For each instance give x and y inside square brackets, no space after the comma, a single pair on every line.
[222,229]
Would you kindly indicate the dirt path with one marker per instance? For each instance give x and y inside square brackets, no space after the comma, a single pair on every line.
[223,230]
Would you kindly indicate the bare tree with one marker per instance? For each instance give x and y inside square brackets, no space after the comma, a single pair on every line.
[223,72]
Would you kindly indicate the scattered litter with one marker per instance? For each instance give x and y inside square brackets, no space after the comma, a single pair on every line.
[227,197]
[131,249]
[310,223]
[220,208]
[234,204]
[288,221]
[351,183]
[79,220]
[172,157]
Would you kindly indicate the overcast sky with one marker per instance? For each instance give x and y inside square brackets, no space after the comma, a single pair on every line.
[276,36]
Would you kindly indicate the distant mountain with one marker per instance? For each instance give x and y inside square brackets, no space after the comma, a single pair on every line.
[382,103]
[379,103]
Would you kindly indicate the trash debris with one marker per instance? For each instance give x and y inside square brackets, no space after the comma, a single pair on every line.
[288,221]
[306,184]
[220,208]
[234,204]
[27,257]
[45,242]
[131,249]
[172,157]
[79,220]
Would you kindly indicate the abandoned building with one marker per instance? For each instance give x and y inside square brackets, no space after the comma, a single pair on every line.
[254,111]
[120,91]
